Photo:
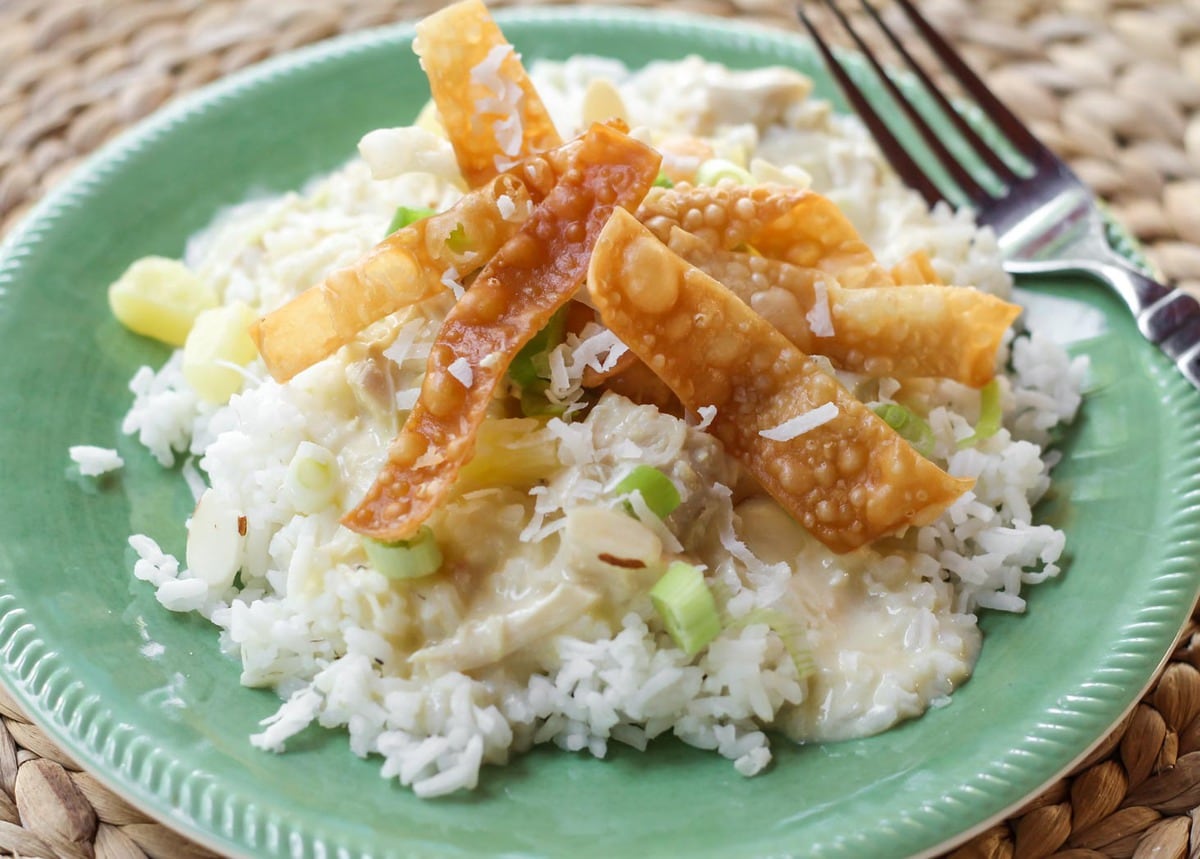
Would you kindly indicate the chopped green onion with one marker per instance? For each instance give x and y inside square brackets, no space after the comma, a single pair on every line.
[790,632]
[663,181]
[311,479]
[747,248]
[714,170]
[406,559]
[535,403]
[457,241]
[911,428]
[656,489]
[686,607]
[989,415]
[532,362]
[406,216]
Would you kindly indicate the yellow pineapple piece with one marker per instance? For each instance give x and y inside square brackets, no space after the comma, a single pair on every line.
[160,298]
[217,346]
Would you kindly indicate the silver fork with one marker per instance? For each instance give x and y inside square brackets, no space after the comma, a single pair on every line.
[1045,219]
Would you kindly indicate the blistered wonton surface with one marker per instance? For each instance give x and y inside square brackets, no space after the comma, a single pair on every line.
[848,477]
[485,100]
[906,331]
[528,279]
[408,266]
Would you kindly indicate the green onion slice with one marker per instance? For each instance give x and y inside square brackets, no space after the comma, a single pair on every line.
[790,632]
[714,170]
[911,428]
[535,403]
[532,362]
[656,489]
[406,559]
[458,242]
[663,181]
[406,216]
[686,607]
[989,415]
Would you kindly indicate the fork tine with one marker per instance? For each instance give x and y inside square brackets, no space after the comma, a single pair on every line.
[1005,119]
[989,156]
[909,170]
[974,191]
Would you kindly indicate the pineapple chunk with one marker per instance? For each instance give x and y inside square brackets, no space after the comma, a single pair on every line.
[218,344]
[602,102]
[505,457]
[160,298]
[429,120]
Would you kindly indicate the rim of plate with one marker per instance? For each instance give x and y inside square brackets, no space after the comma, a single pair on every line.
[146,775]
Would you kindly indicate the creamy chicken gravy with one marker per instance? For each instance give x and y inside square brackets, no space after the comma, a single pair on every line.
[883,636]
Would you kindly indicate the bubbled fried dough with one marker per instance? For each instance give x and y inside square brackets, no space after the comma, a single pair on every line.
[849,481]
[515,295]
[902,331]
[727,216]
[474,101]
[406,267]
[916,269]
[815,233]
[777,221]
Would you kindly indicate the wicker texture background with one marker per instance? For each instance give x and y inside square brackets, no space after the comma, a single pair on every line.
[1113,85]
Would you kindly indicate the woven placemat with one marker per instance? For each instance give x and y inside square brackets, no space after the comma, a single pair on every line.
[1113,85]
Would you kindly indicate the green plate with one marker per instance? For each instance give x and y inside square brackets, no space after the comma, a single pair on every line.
[170,732]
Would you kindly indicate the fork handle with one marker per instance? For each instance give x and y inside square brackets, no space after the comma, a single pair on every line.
[1165,316]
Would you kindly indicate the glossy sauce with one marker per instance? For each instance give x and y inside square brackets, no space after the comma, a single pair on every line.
[885,640]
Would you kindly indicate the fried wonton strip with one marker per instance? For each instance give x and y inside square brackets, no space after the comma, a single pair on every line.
[781,222]
[408,266]
[816,234]
[533,275]
[848,480]
[916,269]
[726,216]
[487,104]
[904,331]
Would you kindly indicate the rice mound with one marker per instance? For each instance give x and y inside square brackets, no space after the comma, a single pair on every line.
[310,619]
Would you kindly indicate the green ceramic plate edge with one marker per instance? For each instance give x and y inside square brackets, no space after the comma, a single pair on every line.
[168,731]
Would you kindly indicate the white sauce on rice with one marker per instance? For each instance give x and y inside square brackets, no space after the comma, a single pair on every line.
[529,635]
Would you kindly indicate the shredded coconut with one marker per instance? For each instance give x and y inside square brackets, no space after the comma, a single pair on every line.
[503,165]
[820,321]
[597,342]
[451,282]
[401,348]
[560,380]
[460,368]
[801,424]
[505,101]
[508,134]
[487,71]
[491,359]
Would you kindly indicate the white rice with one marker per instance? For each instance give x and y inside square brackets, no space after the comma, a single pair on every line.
[313,620]
[94,461]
